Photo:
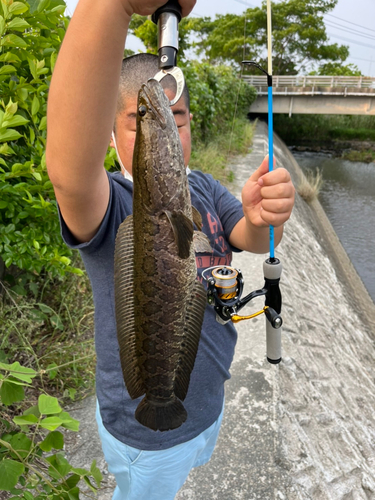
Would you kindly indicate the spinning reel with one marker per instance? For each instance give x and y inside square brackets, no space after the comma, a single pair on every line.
[224,293]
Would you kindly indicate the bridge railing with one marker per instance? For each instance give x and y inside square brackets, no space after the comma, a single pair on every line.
[364,82]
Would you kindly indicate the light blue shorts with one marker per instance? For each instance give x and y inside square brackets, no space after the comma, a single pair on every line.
[154,475]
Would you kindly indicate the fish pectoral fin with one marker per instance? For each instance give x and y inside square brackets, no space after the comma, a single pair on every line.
[201,243]
[197,218]
[183,230]
[124,308]
[191,335]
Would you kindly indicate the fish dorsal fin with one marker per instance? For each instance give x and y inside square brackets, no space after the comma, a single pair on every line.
[197,218]
[191,335]
[201,243]
[124,307]
[183,230]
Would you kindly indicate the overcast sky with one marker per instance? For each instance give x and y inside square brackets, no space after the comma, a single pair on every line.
[350,23]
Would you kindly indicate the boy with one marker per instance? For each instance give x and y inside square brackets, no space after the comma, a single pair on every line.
[93,97]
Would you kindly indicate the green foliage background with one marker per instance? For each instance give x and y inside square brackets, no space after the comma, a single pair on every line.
[31,33]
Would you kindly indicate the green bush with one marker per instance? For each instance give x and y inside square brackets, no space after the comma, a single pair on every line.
[32,463]
[31,33]
[217,96]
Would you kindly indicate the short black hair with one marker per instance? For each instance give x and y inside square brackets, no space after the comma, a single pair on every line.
[135,71]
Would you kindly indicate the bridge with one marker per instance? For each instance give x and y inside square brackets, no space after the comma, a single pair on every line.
[336,95]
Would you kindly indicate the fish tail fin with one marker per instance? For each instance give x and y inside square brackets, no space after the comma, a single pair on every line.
[162,417]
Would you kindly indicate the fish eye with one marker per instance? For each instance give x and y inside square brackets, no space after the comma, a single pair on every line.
[142,110]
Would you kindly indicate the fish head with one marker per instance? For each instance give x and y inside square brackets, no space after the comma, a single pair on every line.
[158,160]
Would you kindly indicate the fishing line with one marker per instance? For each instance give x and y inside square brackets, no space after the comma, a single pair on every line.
[238,92]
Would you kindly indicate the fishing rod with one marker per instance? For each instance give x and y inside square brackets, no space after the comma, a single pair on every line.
[225,285]
[167,18]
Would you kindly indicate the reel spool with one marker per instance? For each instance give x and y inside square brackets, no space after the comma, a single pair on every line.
[225,282]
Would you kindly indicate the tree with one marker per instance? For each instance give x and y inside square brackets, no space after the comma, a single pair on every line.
[298,33]
[337,69]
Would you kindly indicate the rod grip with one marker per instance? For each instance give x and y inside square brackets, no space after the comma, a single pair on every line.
[273,343]
[171,6]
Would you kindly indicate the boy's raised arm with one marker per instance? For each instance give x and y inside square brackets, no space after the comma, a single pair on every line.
[82,105]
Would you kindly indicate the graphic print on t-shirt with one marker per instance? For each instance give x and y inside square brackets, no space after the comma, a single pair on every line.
[221,255]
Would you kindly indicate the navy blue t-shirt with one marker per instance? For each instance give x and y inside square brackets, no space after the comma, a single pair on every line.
[220,212]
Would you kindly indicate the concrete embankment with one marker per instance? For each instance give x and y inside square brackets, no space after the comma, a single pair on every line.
[303,429]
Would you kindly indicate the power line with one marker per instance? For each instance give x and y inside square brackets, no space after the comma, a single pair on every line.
[361,59]
[246,3]
[348,30]
[351,41]
[350,22]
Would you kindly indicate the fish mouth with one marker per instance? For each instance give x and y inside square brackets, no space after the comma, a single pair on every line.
[152,98]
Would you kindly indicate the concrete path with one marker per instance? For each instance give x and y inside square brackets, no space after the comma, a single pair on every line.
[304,429]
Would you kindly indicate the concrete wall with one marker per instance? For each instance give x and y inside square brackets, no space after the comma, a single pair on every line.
[304,429]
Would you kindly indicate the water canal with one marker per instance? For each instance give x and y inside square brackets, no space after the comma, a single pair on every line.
[348,198]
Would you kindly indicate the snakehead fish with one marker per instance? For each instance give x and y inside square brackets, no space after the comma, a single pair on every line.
[158,301]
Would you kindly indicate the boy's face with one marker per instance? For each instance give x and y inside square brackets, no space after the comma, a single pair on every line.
[126,129]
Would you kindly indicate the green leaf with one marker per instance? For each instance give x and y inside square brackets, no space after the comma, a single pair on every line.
[13,41]
[10,57]
[60,467]
[56,322]
[48,405]
[33,68]
[33,410]
[96,474]
[2,25]
[73,494]
[18,24]
[11,393]
[25,420]
[43,123]
[10,471]
[88,482]
[33,5]
[69,422]
[17,8]
[21,444]
[9,135]
[54,440]
[73,480]
[22,94]
[18,371]
[7,69]
[80,471]
[43,5]
[10,109]
[3,204]
[35,106]
[15,121]
[51,423]
[37,176]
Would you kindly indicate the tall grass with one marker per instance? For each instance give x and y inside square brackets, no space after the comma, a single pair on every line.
[309,185]
[324,128]
[213,157]
[52,332]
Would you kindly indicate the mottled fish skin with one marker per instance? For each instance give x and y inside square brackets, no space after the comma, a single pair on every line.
[159,303]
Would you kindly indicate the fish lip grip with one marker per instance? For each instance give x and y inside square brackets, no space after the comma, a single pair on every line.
[167,18]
